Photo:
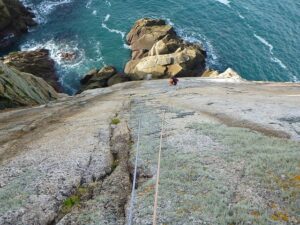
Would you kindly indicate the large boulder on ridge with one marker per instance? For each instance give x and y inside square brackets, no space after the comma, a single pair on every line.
[158,51]
[22,89]
[145,33]
[14,20]
[36,62]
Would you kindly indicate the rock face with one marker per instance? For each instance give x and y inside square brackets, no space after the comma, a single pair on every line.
[69,163]
[37,63]
[14,20]
[228,74]
[157,50]
[105,77]
[22,89]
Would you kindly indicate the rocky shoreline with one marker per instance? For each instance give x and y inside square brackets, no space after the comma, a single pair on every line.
[157,52]
[230,148]
[14,21]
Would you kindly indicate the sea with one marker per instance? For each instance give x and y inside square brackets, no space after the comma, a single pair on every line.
[260,39]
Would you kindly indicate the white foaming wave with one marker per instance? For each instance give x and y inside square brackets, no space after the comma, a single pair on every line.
[55,50]
[225,2]
[265,42]
[195,37]
[107,17]
[94,12]
[112,30]
[212,56]
[126,46]
[108,3]
[274,58]
[44,8]
[88,4]
[79,66]
[295,79]
[279,62]
[271,47]
[240,15]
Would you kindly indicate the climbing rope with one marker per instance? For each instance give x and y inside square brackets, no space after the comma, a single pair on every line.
[158,171]
[134,176]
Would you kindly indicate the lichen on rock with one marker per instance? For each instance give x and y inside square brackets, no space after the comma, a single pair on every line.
[37,62]
[22,89]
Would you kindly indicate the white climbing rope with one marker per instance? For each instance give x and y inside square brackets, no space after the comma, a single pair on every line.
[134,176]
[158,171]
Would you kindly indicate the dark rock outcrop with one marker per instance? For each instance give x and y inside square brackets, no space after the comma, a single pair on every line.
[37,63]
[159,52]
[14,20]
[105,77]
[22,89]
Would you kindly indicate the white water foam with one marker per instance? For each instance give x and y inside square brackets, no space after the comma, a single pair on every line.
[56,49]
[108,3]
[212,56]
[126,46]
[107,17]
[241,16]
[195,37]
[225,2]
[88,4]
[79,66]
[44,8]
[275,59]
[94,12]
[271,47]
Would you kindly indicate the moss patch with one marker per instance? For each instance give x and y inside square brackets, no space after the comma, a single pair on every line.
[214,174]
[74,200]
[115,121]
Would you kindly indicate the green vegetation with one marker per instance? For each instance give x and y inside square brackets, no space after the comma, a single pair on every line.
[75,199]
[269,164]
[71,201]
[115,121]
[214,174]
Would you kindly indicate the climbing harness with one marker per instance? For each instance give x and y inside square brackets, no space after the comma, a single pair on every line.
[134,176]
[158,171]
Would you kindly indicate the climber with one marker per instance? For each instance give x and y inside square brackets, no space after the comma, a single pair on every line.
[173,81]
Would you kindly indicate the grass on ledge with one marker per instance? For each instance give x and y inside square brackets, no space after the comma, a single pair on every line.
[115,121]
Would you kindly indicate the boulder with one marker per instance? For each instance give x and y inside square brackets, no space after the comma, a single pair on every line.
[180,63]
[145,33]
[14,20]
[105,77]
[23,89]
[228,74]
[36,62]
[118,78]
[158,51]
[210,73]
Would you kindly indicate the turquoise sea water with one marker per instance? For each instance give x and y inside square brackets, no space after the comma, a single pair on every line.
[258,38]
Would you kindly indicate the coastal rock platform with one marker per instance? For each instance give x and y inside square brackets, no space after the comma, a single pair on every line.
[230,155]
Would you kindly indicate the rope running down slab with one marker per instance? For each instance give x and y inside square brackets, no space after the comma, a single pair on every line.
[130,217]
[158,171]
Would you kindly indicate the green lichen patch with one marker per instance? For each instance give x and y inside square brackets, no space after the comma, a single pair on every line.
[115,121]
[75,200]
[214,174]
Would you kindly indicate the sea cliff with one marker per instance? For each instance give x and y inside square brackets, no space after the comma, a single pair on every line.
[230,147]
